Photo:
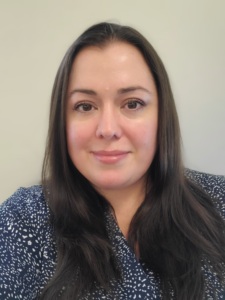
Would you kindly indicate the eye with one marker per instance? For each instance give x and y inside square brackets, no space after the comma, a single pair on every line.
[84,107]
[134,104]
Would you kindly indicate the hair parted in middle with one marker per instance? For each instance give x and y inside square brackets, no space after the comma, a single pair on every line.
[100,35]
[168,223]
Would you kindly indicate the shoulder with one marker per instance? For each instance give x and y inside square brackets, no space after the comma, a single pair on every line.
[25,197]
[26,208]
[26,201]
[213,185]
[27,246]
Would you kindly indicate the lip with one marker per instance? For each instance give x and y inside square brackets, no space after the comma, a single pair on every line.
[110,157]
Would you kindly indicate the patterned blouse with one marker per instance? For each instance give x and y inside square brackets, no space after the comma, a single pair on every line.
[28,249]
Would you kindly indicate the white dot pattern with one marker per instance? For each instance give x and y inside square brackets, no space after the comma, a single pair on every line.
[28,250]
[27,245]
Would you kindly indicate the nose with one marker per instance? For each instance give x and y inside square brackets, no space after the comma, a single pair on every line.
[109,124]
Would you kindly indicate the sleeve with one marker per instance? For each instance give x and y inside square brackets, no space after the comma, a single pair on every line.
[23,232]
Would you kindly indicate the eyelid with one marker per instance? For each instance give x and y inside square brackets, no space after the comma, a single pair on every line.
[132,100]
[93,106]
[80,103]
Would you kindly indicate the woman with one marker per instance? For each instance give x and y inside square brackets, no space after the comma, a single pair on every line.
[117,216]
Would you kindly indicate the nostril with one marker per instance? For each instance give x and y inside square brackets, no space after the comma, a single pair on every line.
[108,131]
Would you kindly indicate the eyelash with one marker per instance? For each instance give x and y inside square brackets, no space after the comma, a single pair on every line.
[136,101]
[79,106]
[82,104]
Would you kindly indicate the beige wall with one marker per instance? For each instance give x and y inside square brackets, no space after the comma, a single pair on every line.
[189,36]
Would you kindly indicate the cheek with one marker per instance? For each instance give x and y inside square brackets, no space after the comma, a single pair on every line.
[151,135]
[146,135]
[78,137]
[74,138]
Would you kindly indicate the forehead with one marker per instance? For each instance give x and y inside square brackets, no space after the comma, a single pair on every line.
[113,59]
[113,45]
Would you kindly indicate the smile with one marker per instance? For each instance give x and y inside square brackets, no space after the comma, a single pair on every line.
[110,157]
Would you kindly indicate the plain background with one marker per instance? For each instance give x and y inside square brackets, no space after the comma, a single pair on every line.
[34,35]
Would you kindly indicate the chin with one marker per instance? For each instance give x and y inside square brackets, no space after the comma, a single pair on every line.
[109,185]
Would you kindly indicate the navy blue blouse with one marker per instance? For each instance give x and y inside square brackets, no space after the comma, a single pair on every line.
[28,249]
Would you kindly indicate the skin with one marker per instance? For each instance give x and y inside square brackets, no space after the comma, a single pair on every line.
[112,122]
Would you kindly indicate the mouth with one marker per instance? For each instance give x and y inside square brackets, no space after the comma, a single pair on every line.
[110,157]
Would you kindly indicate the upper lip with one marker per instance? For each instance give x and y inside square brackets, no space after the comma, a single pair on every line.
[109,152]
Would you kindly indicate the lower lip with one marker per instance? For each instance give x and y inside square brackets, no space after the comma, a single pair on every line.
[110,159]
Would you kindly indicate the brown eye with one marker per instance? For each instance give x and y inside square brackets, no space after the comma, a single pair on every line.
[134,104]
[84,107]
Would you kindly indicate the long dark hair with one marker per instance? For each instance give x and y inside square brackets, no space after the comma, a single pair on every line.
[176,227]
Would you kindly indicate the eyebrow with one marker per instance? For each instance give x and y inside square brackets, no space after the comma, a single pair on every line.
[120,91]
[83,91]
[132,89]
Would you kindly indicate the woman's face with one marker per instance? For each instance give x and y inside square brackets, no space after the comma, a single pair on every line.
[112,116]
